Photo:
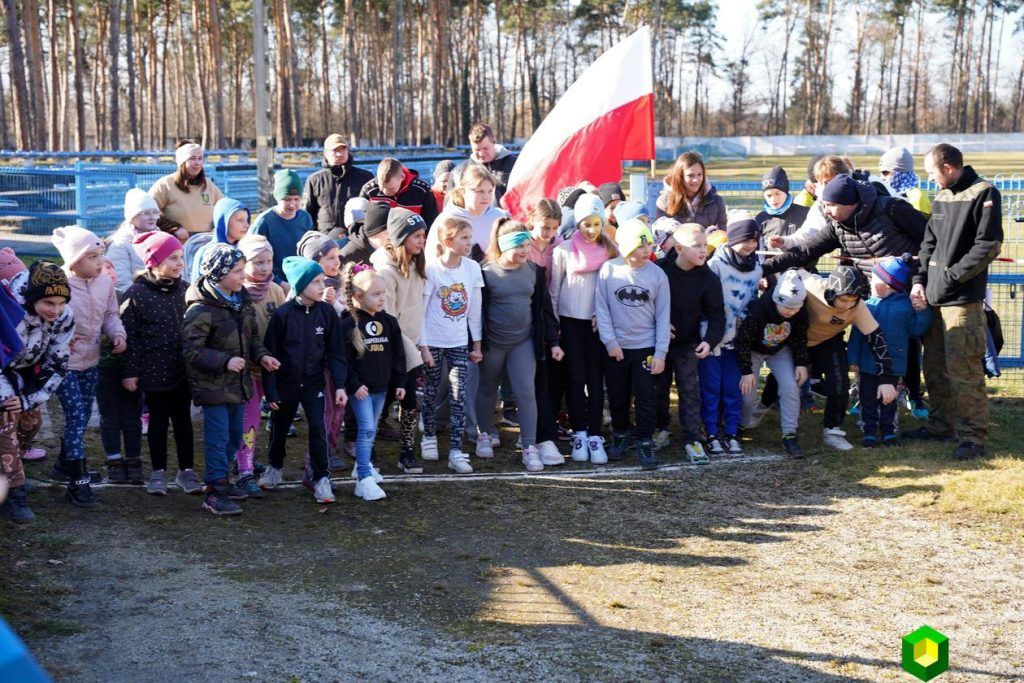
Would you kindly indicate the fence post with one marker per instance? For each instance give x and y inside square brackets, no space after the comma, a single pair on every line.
[80,207]
[639,190]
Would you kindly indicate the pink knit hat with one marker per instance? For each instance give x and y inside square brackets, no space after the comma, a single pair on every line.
[155,246]
[10,264]
[74,242]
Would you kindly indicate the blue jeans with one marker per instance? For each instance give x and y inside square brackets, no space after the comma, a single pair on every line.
[222,433]
[76,394]
[367,412]
[720,389]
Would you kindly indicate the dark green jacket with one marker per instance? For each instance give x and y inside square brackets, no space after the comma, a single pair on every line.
[215,331]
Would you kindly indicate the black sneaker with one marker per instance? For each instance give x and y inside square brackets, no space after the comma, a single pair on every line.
[218,504]
[618,448]
[510,415]
[16,508]
[645,454]
[229,490]
[791,447]
[968,450]
[408,463]
[133,470]
[925,434]
[868,441]
[80,493]
[564,434]
[891,441]
[117,473]
[335,463]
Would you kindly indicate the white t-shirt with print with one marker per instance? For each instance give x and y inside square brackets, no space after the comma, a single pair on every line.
[451,301]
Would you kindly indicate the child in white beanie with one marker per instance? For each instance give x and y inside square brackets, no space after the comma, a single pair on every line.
[140,215]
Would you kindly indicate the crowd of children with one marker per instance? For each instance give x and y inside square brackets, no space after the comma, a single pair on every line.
[583,300]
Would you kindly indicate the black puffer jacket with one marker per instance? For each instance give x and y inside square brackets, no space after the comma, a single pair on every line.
[306,339]
[880,227]
[327,191]
[153,313]
[357,250]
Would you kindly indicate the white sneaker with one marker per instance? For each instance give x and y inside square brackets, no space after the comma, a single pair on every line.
[377,476]
[549,454]
[733,445]
[483,446]
[595,446]
[661,438]
[834,437]
[606,418]
[270,479]
[579,447]
[695,453]
[322,492]
[531,459]
[428,447]
[757,414]
[715,444]
[495,439]
[367,489]
[459,461]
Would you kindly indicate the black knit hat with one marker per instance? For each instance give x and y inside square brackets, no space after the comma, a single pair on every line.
[775,179]
[844,281]
[609,192]
[841,190]
[742,230]
[376,220]
[570,200]
[46,279]
[402,223]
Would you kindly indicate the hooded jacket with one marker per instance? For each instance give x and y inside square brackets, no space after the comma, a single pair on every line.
[414,194]
[153,313]
[357,250]
[222,212]
[127,263]
[216,330]
[329,189]
[96,311]
[964,235]
[403,298]
[878,227]
[710,214]
[307,340]
[500,167]
[42,364]
[898,321]
[696,297]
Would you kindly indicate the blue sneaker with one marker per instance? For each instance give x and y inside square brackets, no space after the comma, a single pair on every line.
[919,410]
[249,485]
[869,441]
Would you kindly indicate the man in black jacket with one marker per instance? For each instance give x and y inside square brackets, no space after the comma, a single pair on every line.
[964,235]
[498,160]
[328,189]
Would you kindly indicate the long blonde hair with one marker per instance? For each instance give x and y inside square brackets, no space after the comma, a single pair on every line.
[354,277]
[447,229]
[473,176]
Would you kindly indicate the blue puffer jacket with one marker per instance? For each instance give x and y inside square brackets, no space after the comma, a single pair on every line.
[898,322]
[222,213]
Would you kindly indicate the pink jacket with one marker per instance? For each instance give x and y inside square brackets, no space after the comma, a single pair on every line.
[96,311]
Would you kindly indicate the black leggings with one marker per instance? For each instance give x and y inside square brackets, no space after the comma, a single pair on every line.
[174,406]
[913,378]
[585,357]
[829,359]
[548,391]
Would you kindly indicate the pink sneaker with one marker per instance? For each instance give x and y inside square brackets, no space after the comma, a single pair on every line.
[34,453]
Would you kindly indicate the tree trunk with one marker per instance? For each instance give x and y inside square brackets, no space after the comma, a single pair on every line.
[55,127]
[114,99]
[133,114]
[23,133]
[37,95]
[213,58]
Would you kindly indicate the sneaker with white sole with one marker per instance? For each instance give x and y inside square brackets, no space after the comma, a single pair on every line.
[459,462]
[732,443]
[661,439]
[834,437]
[270,479]
[579,447]
[484,449]
[549,454]
[715,445]
[428,447]
[595,447]
[188,481]
[757,414]
[377,476]
[531,459]
[368,489]
[695,453]
[322,492]
[495,439]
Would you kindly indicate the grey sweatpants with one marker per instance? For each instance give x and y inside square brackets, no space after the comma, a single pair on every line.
[521,363]
[781,365]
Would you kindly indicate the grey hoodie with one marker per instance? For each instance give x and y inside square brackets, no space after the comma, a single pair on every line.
[633,307]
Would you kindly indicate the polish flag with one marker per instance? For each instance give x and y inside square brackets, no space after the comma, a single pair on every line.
[606,116]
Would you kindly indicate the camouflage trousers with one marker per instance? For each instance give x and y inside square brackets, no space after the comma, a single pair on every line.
[15,438]
[954,355]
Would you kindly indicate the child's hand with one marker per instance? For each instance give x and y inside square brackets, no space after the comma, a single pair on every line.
[428,360]
[776,242]
[269,363]
[329,295]
[800,375]
[273,405]
[747,384]
[917,297]
[476,355]
[12,407]
[657,366]
[73,344]
[130,383]
[886,393]
[120,344]
[855,369]
[593,323]
[671,331]
[236,364]
[557,353]
[340,398]
[361,393]
[615,353]
[399,393]
[702,350]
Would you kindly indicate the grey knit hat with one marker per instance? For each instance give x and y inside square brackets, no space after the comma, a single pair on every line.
[897,159]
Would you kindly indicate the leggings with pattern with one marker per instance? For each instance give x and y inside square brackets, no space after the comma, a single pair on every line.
[76,394]
[457,359]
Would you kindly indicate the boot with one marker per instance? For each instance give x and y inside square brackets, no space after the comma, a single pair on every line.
[16,508]
[117,472]
[133,471]
[63,470]
[79,491]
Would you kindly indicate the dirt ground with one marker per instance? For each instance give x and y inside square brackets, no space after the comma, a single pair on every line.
[754,569]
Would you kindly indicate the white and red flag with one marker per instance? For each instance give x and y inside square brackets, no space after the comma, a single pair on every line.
[606,116]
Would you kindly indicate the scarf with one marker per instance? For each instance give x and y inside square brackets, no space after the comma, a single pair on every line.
[740,263]
[258,289]
[585,257]
[901,182]
[782,209]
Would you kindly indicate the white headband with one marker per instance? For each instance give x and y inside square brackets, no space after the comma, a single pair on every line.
[182,154]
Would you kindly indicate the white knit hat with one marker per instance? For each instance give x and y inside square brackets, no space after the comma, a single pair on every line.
[136,201]
[790,290]
[74,242]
